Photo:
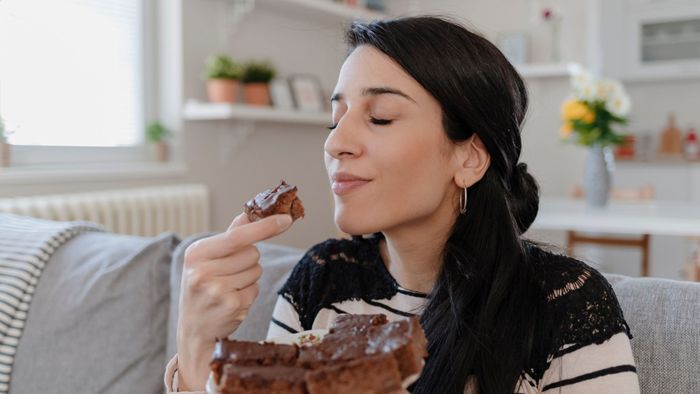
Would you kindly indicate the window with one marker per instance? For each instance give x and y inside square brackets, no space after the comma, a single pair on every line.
[73,73]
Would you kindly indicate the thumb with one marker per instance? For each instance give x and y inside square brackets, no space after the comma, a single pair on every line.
[238,221]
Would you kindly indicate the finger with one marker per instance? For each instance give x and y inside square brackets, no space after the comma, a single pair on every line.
[238,220]
[241,260]
[243,279]
[228,242]
[248,294]
[239,302]
[247,297]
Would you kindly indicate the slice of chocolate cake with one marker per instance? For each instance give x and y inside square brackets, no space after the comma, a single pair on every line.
[356,323]
[251,354]
[333,349]
[346,340]
[404,339]
[367,375]
[280,199]
[270,379]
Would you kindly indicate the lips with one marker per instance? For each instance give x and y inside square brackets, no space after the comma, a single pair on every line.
[344,183]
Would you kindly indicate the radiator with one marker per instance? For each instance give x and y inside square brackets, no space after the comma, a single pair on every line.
[183,209]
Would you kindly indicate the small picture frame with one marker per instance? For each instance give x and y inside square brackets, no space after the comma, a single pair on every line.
[514,46]
[281,94]
[307,93]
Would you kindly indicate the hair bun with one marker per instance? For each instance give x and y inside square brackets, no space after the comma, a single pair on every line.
[524,197]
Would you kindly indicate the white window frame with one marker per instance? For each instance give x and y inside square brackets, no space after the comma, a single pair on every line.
[37,156]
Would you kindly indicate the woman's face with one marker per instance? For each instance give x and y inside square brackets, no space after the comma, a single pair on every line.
[388,158]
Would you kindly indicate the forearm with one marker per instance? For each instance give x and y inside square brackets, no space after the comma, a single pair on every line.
[193,361]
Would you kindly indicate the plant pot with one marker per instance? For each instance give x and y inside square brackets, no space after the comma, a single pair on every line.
[4,154]
[257,93]
[222,90]
[600,164]
[160,151]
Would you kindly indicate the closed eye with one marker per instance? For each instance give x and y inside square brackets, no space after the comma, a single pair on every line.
[379,122]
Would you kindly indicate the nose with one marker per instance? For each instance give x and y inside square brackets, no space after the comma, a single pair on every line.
[344,141]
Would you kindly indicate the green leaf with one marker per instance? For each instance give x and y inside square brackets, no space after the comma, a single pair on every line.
[260,72]
[156,132]
[222,67]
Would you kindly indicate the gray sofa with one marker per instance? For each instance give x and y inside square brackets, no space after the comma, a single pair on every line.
[103,318]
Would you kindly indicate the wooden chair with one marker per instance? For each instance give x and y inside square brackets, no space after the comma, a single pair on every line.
[643,194]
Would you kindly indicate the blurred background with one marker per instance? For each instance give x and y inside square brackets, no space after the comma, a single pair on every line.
[168,115]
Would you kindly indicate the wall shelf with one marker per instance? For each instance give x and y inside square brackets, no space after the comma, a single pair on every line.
[322,9]
[197,110]
[544,70]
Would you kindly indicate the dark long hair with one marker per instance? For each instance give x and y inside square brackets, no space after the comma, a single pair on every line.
[485,310]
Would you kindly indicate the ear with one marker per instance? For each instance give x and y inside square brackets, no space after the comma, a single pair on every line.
[472,161]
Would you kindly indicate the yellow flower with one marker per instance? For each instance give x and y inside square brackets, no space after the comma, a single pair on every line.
[576,110]
[566,130]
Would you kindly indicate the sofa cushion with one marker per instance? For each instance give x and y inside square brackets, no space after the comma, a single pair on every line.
[98,318]
[663,317]
[277,262]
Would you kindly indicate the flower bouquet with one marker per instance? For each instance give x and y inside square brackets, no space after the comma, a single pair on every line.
[589,116]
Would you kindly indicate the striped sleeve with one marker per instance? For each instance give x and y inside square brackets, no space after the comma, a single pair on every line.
[607,367]
[285,319]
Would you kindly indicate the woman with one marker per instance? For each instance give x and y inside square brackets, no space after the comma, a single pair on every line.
[423,156]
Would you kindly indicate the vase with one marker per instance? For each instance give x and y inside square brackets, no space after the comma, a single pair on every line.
[554,54]
[600,164]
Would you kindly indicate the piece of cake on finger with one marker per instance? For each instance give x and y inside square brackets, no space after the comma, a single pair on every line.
[279,199]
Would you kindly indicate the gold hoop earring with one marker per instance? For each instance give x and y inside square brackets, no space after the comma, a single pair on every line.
[463,202]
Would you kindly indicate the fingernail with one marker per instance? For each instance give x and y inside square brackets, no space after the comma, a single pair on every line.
[284,221]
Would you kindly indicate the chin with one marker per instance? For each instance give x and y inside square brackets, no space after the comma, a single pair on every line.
[353,224]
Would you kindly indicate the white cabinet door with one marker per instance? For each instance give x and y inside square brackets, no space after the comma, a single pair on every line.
[651,39]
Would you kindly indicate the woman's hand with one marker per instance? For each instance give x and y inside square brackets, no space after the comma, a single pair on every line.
[219,283]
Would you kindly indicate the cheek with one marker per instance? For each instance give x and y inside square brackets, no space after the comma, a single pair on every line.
[415,177]
[412,180]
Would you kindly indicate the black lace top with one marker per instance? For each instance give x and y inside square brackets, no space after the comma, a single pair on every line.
[335,275]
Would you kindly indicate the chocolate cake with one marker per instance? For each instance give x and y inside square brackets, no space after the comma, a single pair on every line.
[360,354]
[280,199]
[358,323]
[273,379]
[405,339]
[371,374]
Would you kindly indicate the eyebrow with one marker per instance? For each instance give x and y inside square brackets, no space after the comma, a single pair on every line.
[375,91]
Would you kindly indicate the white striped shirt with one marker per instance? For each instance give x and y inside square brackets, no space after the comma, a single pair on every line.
[604,366]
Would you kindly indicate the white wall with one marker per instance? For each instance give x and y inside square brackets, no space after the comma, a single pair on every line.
[235,169]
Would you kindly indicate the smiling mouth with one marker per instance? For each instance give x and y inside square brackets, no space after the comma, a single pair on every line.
[341,188]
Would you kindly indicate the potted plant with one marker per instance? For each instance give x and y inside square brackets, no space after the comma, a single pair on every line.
[256,79]
[4,145]
[222,75]
[589,116]
[155,135]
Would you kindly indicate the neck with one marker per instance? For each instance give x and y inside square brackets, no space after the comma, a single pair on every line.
[413,253]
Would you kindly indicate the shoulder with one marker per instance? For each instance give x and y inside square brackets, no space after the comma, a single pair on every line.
[336,270]
[583,304]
